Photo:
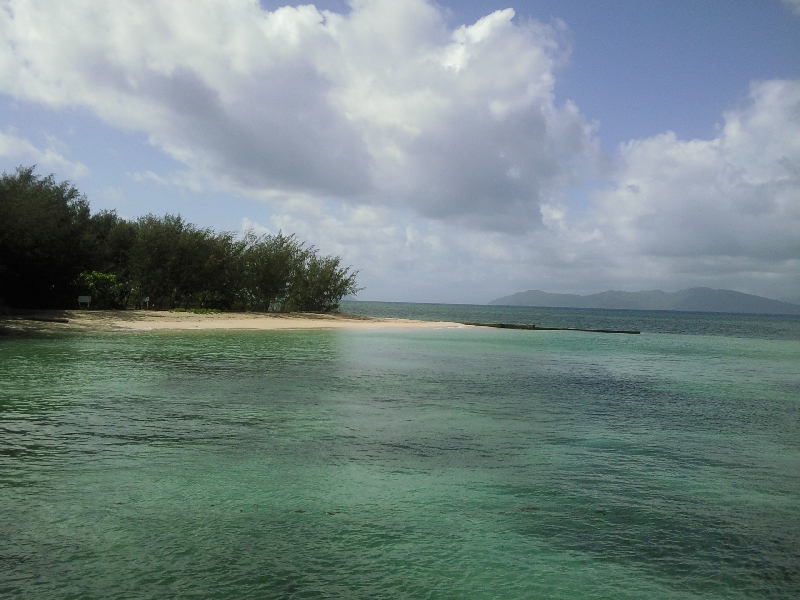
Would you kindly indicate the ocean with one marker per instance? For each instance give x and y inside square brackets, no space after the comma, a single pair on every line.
[442,463]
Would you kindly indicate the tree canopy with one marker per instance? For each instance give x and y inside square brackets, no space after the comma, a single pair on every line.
[53,249]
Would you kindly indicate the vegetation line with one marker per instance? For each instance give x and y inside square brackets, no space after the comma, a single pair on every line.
[53,250]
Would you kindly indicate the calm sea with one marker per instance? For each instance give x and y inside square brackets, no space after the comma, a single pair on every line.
[444,463]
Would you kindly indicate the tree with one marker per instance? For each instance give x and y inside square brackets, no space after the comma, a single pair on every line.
[270,266]
[321,283]
[161,259]
[220,269]
[111,239]
[43,247]
[104,289]
[176,264]
[52,249]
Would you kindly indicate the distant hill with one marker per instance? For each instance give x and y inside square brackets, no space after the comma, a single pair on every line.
[699,299]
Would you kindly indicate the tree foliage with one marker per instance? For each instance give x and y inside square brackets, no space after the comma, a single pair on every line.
[319,283]
[270,265]
[43,229]
[52,249]
[104,289]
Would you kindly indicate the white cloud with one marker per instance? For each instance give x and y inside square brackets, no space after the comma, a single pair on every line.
[384,105]
[148,176]
[725,209]
[16,148]
[254,227]
[737,195]
[433,159]
[722,212]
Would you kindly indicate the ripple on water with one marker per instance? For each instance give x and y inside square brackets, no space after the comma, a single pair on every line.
[453,463]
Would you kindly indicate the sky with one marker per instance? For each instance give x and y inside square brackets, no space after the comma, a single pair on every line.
[451,151]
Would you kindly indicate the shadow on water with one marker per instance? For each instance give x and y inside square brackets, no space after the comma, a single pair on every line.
[708,552]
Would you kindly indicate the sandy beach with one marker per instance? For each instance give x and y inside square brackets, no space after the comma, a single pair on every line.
[152,320]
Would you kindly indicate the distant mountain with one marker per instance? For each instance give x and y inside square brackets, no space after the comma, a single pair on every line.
[699,299]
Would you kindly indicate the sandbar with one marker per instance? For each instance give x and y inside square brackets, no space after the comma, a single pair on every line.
[153,320]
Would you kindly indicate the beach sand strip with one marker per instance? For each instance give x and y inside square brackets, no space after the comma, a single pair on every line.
[152,320]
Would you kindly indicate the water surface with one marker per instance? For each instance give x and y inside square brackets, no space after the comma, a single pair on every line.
[468,463]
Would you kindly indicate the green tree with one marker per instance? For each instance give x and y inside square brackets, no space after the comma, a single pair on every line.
[52,249]
[321,283]
[219,266]
[104,289]
[270,266]
[176,264]
[111,240]
[43,248]
[161,259]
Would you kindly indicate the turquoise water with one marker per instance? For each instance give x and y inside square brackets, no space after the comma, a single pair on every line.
[467,463]
[656,321]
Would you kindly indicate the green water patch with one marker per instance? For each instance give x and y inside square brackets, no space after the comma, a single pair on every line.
[416,464]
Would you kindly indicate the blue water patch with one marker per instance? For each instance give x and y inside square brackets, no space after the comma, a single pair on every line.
[649,321]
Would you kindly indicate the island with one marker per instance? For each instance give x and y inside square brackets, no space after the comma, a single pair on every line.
[697,299]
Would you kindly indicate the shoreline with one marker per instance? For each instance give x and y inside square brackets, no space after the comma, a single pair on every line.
[155,320]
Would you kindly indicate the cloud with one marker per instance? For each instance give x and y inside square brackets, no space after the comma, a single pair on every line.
[400,256]
[254,227]
[737,195]
[723,210]
[21,149]
[385,105]
[433,158]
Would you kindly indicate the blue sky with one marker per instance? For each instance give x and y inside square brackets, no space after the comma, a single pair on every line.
[453,152]
[641,68]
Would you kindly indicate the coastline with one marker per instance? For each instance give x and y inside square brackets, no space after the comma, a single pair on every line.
[151,320]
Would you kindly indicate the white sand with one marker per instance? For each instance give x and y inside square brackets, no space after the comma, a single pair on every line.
[151,320]
[269,322]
